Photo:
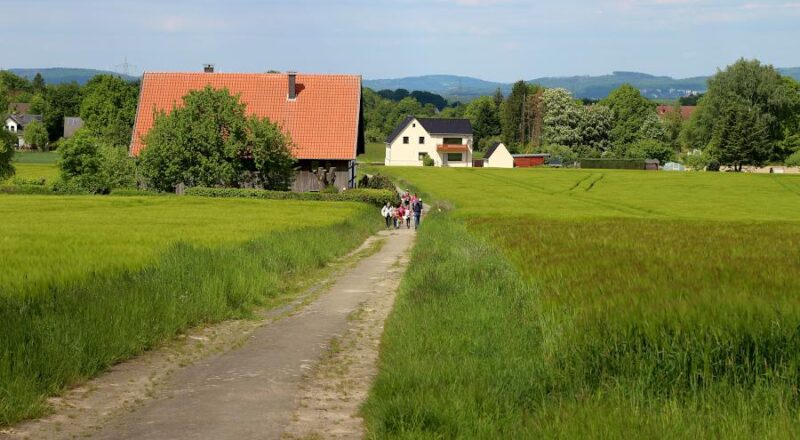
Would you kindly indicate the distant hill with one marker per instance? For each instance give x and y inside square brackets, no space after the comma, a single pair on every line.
[593,87]
[59,75]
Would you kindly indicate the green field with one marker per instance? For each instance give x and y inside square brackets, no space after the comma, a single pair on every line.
[375,153]
[603,304]
[86,281]
[32,165]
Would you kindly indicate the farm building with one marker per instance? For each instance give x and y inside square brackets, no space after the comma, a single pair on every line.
[16,124]
[321,114]
[529,160]
[448,142]
[498,156]
[673,166]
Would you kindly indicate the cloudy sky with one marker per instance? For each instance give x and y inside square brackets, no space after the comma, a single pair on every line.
[501,40]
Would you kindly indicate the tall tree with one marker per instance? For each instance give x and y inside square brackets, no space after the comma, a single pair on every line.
[35,135]
[109,109]
[62,100]
[482,113]
[595,130]
[562,118]
[631,110]
[768,98]
[498,97]
[38,83]
[512,116]
[741,137]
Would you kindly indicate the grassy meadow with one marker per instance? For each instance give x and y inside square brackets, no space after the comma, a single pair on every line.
[33,165]
[88,281]
[375,153]
[603,304]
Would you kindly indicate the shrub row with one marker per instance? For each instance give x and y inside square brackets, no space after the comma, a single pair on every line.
[612,164]
[375,197]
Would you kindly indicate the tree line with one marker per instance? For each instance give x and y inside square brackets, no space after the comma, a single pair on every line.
[750,115]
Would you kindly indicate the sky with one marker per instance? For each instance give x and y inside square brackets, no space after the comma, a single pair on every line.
[497,40]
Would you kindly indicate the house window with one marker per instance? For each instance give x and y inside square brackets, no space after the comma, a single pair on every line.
[454,157]
[422,139]
[405,139]
[452,141]
[422,156]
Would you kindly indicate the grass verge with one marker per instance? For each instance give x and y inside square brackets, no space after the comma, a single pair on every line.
[68,331]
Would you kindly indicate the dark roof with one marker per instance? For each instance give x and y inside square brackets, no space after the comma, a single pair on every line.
[491,149]
[435,126]
[396,132]
[23,119]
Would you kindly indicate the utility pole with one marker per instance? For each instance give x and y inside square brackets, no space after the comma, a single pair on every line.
[125,68]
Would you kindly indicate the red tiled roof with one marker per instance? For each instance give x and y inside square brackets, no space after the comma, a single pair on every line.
[323,121]
[686,111]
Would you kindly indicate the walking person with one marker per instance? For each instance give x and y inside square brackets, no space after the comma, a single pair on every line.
[393,215]
[398,221]
[407,217]
[417,212]
[386,213]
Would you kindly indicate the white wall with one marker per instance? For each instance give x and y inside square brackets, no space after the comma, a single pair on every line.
[501,158]
[12,126]
[400,154]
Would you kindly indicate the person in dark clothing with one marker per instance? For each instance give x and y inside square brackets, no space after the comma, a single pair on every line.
[417,208]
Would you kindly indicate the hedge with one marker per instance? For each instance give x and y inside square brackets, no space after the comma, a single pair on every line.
[376,197]
[613,164]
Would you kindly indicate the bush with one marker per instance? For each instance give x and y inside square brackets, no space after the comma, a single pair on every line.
[377,181]
[40,181]
[651,149]
[427,161]
[793,160]
[696,160]
[713,165]
[330,189]
[88,166]
[375,197]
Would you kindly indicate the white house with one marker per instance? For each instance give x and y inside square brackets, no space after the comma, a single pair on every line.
[447,141]
[498,156]
[16,124]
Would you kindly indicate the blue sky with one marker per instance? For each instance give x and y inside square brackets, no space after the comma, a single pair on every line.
[501,40]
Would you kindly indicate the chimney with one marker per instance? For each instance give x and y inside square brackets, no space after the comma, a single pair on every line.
[208,68]
[292,84]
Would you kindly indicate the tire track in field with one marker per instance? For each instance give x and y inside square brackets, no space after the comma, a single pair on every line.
[594,182]
[792,188]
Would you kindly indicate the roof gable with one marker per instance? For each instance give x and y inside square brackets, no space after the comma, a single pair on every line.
[399,129]
[492,149]
[323,120]
[24,119]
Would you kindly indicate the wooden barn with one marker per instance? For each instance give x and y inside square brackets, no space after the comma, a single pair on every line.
[321,113]
[529,160]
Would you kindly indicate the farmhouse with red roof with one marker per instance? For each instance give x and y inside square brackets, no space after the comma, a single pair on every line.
[321,114]
[686,111]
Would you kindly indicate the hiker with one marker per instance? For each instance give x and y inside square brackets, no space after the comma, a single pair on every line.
[417,207]
[398,221]
[393,215]
[407,217]
[386,213]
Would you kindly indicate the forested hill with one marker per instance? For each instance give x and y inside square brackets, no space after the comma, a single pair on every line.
[61,75]
[595,87]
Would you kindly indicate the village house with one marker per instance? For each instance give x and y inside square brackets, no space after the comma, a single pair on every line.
[447,142]
[16,124]
[321,114]
[498,156]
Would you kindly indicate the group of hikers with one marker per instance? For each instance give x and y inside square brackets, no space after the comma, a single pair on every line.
[396,216]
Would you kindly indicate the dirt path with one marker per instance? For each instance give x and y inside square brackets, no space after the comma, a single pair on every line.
[262,389]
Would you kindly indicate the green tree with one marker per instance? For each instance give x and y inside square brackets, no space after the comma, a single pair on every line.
[62,100]
[561,118]
[746,91]
[35,135]
[741,137]
[512,114]
[482,114]
[88,165]
[498,98]
[8,143]
[594,129]
[108,109]
[38,84]
[630,110]
[650,149]
[673,125]
[199,144]
[272,157]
